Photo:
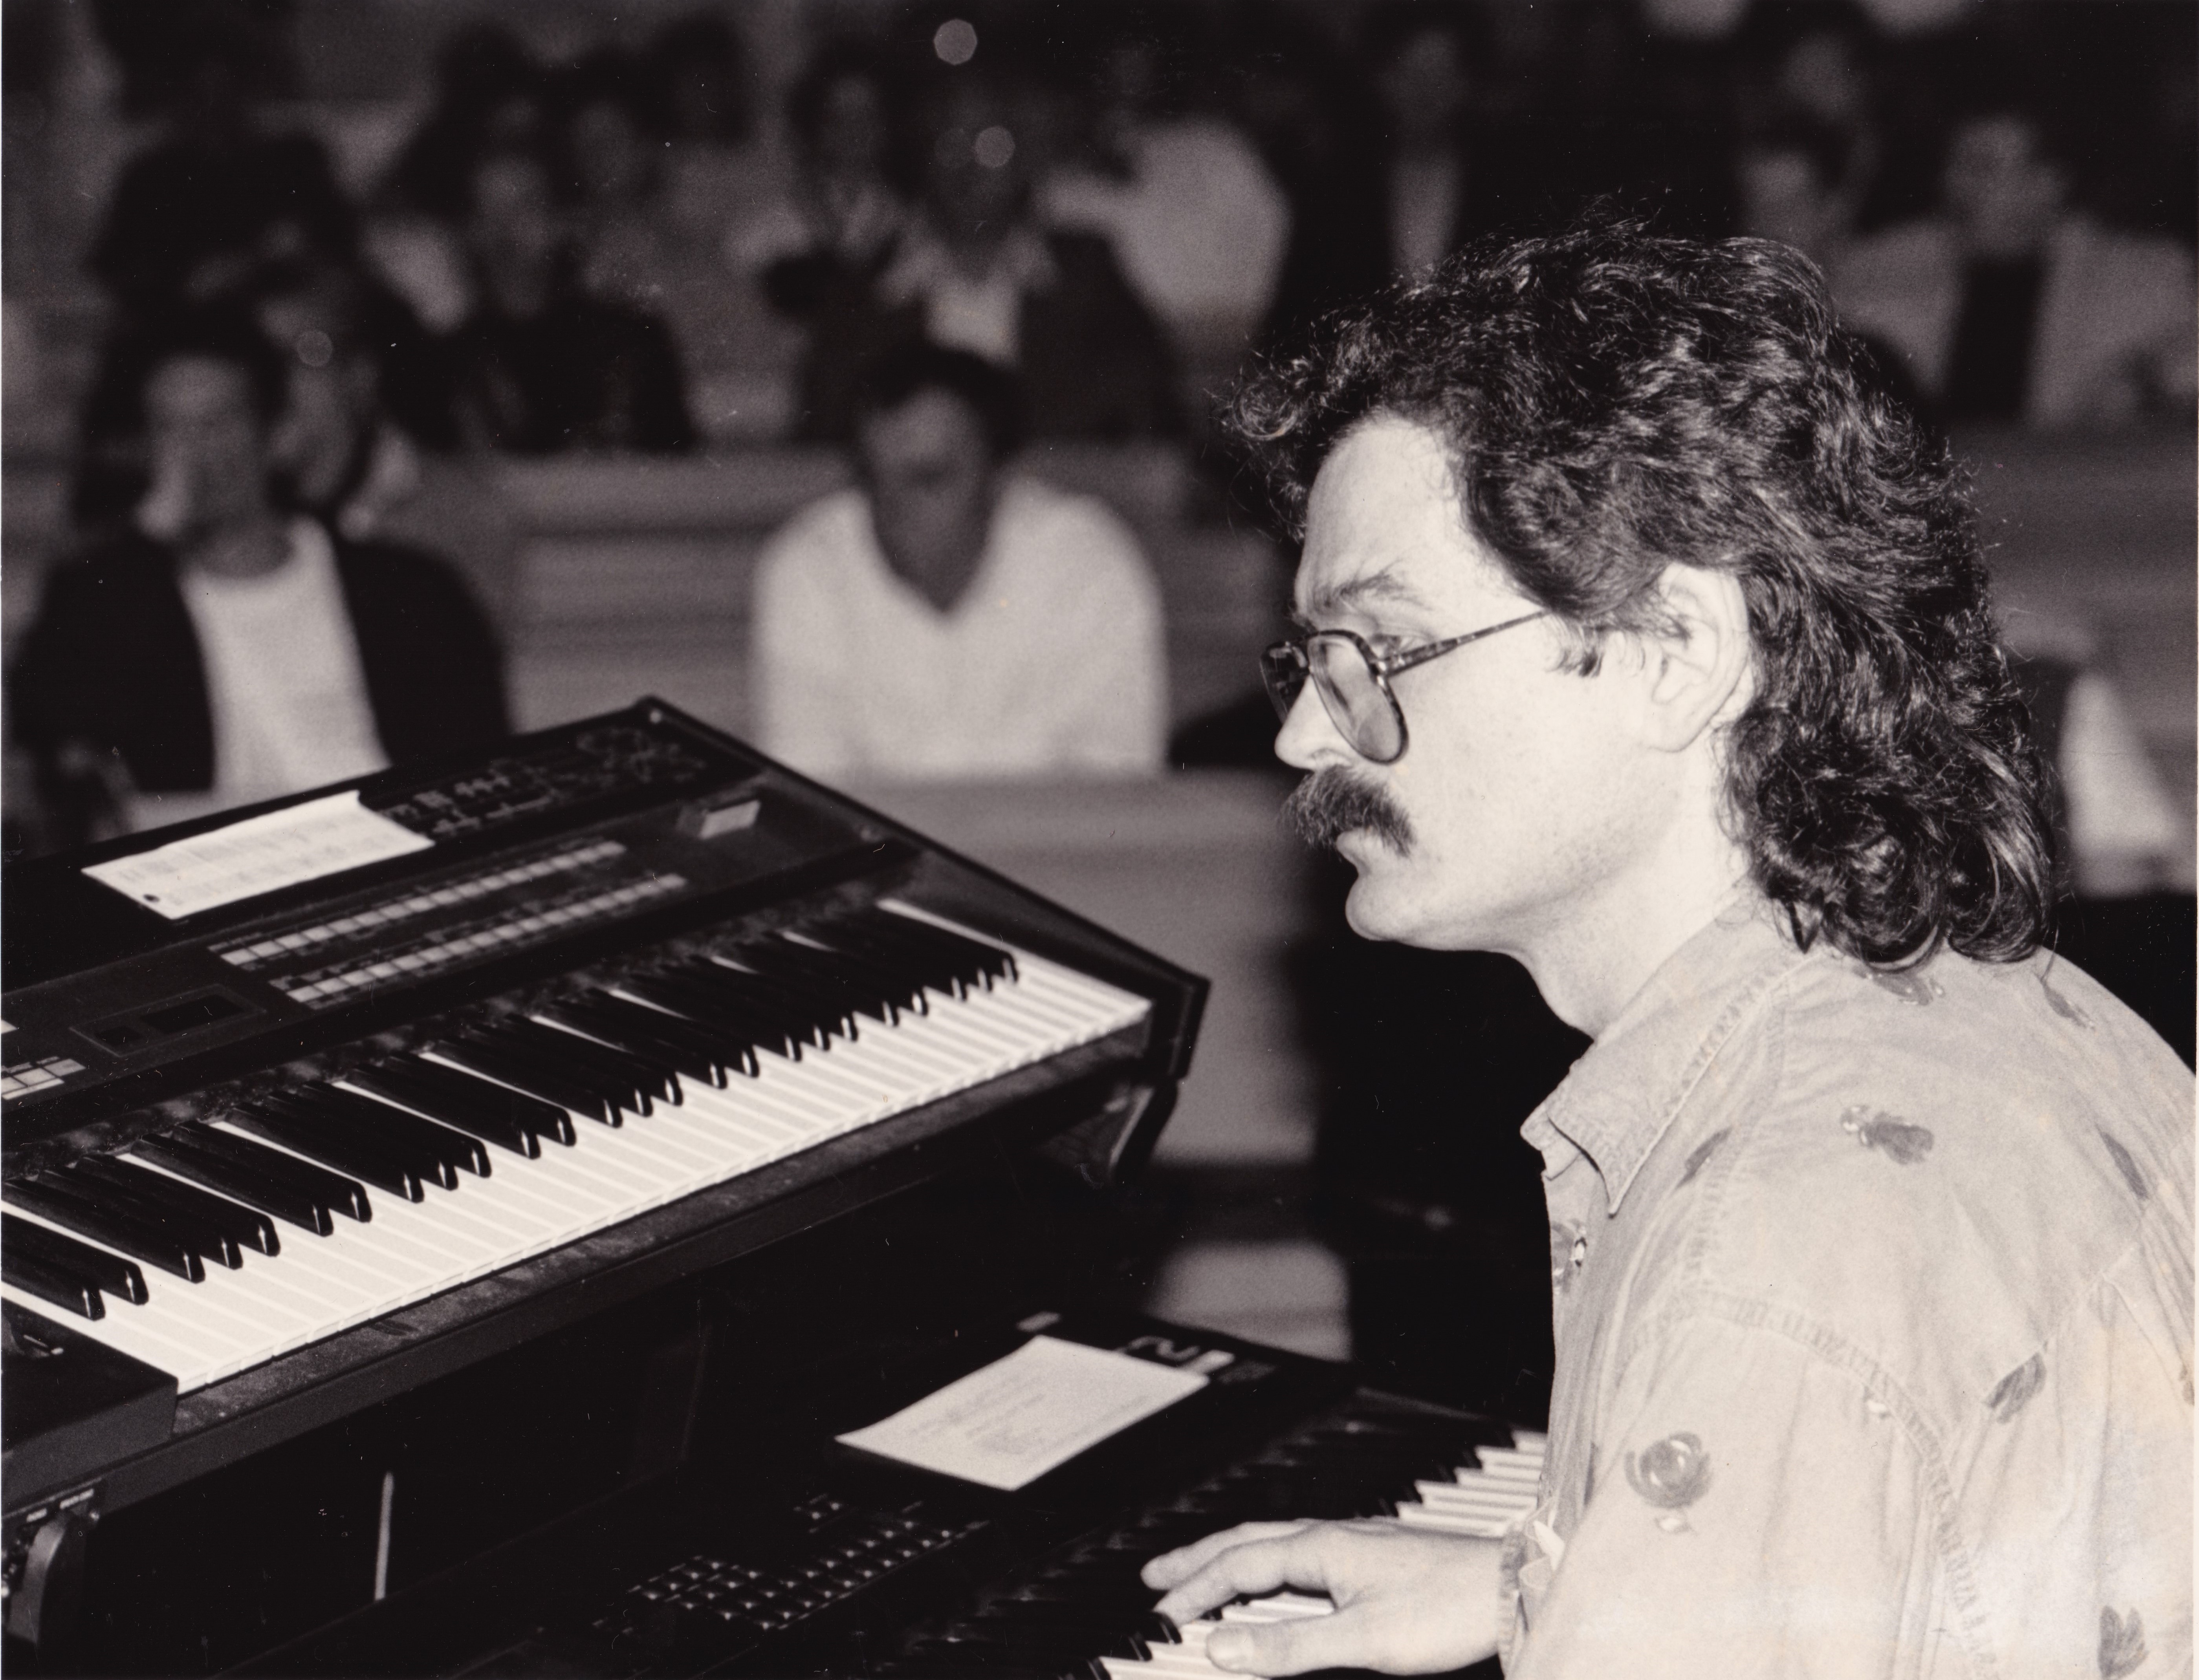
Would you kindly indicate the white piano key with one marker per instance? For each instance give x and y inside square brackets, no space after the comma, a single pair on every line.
[177,1309]
[1486,1527]
[301,1266]
[1281,1607]
[1510,1460]
[140,1341]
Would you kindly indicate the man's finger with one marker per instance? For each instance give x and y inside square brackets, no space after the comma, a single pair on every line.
[1340,1640]
[1252,1566]
[1172,1568]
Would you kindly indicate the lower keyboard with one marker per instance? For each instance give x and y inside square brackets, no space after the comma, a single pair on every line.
[1079,1610]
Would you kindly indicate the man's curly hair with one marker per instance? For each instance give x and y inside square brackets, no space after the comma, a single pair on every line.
[1613,402]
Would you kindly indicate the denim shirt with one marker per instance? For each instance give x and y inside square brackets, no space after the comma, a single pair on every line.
[1874,1316]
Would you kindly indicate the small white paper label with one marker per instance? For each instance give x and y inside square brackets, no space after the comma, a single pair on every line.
[1010,1423]
[260,854]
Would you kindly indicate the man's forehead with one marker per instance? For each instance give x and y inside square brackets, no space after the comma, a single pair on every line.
[1383,528]
[1363,592]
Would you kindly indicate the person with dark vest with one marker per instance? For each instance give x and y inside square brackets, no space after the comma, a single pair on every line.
[220,649]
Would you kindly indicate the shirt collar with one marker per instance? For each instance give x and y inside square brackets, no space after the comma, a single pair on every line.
[1622,1096]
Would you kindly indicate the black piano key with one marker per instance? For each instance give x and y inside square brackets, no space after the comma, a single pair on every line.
[777,961]
[688,991]
[835,1000]
[291,1190]
[64,1289]
[653,1078]
[728,1049]
[116,1226]
[854,938]
[243,1227]
[459,1149]
[945,969]
[1067,1639]
[531,1076]
[899,981]
[1054,1608]
[879,994]
[624,1082]
[805,1023]
[809,1019]
[614,1093]
[1093,1628]
[199,1235]
[629,1026]
[323,1145]
[505,1118]
[975,961]
[110,1274]
[339,1133]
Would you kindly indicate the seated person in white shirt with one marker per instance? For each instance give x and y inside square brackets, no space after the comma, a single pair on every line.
[222,649]
[949,618]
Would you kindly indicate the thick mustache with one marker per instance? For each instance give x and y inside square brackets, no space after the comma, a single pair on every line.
[1331,802]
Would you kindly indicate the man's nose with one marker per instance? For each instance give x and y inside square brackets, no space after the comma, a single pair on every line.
[1310,739]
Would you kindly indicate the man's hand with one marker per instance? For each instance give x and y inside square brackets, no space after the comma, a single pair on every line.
[1407,1602]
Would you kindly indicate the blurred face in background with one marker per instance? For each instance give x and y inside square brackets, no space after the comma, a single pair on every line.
[331,402]
[209,449]
[2004,193]
[1783,196]
[932,483]
[979,173]
[617,163]
[1424,89]
[1824,77]
[513,231]
[850,140]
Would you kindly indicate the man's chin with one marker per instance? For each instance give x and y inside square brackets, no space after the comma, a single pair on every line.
[1371,908]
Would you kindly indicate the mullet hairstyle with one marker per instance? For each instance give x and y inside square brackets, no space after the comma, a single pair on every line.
[1613,403]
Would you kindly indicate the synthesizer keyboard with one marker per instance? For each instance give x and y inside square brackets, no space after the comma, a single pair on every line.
[319,1105]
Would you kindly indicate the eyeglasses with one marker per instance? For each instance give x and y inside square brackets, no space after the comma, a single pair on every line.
[1353,681]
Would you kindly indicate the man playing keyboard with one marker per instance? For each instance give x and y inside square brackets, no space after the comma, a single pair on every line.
[1643,638]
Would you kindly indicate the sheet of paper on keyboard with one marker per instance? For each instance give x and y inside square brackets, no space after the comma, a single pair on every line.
[260,854]
[1008,1424]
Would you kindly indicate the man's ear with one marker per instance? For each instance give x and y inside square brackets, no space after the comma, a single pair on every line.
[1699,668]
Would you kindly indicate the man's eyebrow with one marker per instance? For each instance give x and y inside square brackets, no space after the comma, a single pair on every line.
[1384,588]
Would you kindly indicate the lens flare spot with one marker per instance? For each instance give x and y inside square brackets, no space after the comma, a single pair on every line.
[955,41]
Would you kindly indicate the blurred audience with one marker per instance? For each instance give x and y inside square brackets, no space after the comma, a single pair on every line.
[653,148]
[1195,220]
[820,252]
[949,618]
[1812,67]
[224,649]
[977,270]
[1788,186]
[221,189]
[542,367]
[1435,173]
[2010,303]
[2119,834]
[489,93]
[1297,99]
[343,450]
